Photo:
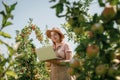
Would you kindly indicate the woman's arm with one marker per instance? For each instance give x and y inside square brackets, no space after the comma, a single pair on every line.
[68,56]
[60,62]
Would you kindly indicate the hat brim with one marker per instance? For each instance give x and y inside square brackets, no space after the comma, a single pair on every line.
[48,33]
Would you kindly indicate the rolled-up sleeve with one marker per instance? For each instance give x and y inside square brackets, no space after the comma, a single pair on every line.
[68,48]
[68,52]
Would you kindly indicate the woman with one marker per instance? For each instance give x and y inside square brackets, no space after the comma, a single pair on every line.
[63,51]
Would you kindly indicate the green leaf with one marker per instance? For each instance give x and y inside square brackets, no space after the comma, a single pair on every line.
[7,8]
[101,3]
[62,1]
[12,7]
[10,49]
[114,2]
[4,19]
[59,9]
[8,24]
[54,6]
[52,0]
[6,35]
[12,73]
[3,13]
[1,42]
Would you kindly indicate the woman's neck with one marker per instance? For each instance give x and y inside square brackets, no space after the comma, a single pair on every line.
[56,44]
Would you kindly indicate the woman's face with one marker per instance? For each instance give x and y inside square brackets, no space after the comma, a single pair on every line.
[55,37]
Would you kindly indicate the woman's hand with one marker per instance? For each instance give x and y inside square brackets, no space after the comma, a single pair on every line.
[53,61]
[59,62]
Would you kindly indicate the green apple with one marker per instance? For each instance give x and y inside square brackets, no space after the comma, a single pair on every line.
[70,21]
[78,30]
[111,72]
[97,28]
[81,18]
[101,69]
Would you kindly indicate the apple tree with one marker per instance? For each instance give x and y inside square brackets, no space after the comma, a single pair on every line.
[27,66]
[98,37]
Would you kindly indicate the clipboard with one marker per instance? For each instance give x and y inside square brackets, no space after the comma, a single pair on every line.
[46,53]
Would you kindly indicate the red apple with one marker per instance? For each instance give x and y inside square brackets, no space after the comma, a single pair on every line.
[33,27]
[40,38]
[92,50]
[74,63]
[70,71]
[90,34]
[109,13]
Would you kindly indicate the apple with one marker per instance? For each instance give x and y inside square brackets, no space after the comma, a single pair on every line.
[81,18]
[101,69]
[90,34]
[76,55]
[92,50]
[109,13]
[111,72]
[70,71]
[33,27]
[40,38]
[70,21]
[98,28]
[74,63]
[78,30]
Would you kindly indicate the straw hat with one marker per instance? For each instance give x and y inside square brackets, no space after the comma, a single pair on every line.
[48,32]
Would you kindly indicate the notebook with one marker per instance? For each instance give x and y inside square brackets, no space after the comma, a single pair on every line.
[46,53]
